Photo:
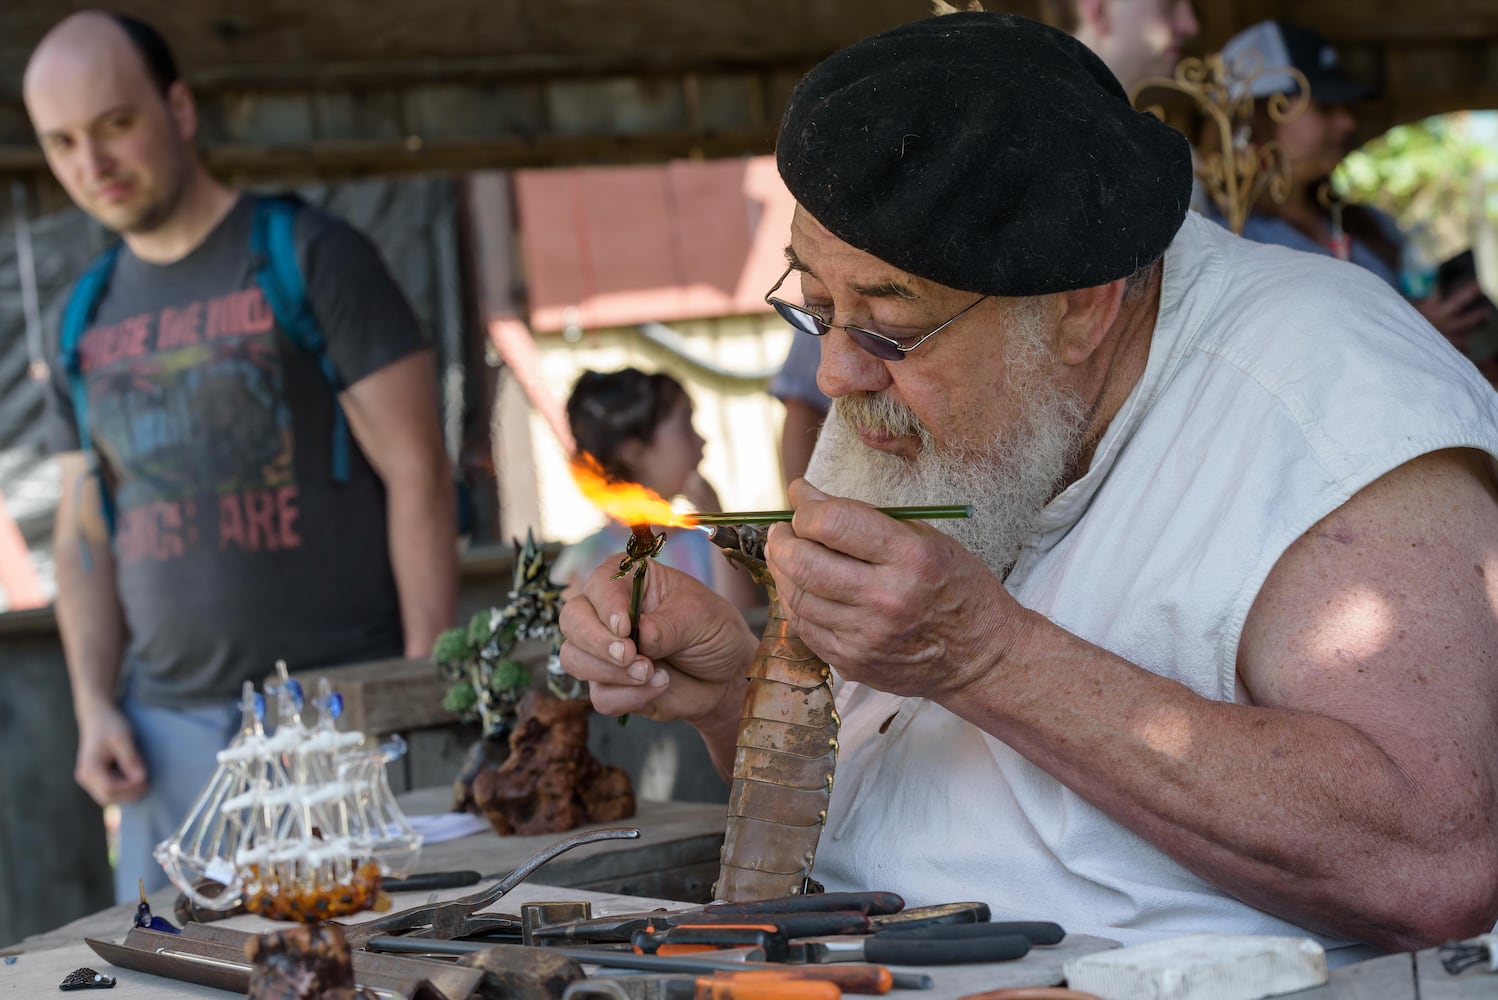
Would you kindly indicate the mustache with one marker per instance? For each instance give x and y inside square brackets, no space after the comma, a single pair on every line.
[878,412]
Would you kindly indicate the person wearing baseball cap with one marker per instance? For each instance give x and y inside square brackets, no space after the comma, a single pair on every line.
[1315,141]
[1273,45]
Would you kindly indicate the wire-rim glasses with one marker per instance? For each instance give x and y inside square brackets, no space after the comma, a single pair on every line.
[884,348]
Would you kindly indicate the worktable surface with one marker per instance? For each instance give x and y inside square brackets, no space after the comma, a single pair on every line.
[669,831]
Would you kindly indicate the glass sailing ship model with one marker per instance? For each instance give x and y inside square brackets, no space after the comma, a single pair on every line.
[297,824]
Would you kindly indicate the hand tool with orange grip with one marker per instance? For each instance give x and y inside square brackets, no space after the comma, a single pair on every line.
[797,916]
[772,987]
[780,987]
[686,939]
[849,978]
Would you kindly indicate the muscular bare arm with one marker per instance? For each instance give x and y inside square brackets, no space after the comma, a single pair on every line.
[393,414]
[1358,796]
[92,627]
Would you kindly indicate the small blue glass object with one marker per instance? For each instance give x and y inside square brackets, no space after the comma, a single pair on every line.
[260,707]
[335,704]
[145,918]
[295,687]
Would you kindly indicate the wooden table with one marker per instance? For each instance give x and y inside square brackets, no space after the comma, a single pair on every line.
[37,972]
[678,847]
[676,857]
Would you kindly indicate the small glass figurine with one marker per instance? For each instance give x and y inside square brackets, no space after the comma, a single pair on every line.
[145,918]
[87,979]
[299,824]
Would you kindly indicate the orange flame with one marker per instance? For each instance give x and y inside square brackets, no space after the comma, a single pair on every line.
[630,503]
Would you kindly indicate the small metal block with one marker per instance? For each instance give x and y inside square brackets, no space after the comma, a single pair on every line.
[547,914]
[86,979]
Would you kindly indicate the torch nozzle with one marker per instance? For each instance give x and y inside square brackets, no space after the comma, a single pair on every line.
[724,536]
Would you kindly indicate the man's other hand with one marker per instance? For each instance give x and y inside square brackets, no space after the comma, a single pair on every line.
[109,766]
[694,646]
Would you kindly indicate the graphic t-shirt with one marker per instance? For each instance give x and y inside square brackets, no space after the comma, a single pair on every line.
[233,546]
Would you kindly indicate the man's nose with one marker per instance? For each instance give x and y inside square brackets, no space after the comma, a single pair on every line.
[846,367]
[96,157]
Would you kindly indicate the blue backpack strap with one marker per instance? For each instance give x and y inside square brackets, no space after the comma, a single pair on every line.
[76,315]
[273,243]
[83,303]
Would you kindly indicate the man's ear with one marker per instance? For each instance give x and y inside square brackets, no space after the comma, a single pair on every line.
[1086,316]
[183,109]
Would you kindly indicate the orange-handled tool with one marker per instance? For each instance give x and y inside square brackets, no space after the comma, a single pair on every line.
[864,979]
[685,939]
[767,986]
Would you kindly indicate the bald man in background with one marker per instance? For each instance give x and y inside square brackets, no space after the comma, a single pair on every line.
[1137,39]
[202,536]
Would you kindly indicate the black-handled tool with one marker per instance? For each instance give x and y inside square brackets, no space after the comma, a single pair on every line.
[1035,931]
[623,927]
[693,938]
[913,948]
[872,903]
[703,964]
[431,881]
[937,913]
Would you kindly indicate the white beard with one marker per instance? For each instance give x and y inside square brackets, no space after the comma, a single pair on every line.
[1007,482]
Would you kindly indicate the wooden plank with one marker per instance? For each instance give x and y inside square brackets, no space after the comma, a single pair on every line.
[248,116]
[383,697]
[441,112]
[1392,20]
[347,114]
[619,105]
[225,43]
[727,100]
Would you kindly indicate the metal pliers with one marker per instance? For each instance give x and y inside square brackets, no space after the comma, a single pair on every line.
[459,918]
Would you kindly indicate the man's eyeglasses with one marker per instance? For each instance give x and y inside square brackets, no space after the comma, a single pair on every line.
[882,347]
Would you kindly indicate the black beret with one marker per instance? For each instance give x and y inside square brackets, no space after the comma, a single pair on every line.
[985,152]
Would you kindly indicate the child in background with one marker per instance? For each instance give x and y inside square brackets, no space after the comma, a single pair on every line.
[638,427]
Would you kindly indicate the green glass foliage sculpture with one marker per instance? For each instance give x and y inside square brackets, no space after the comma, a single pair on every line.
[488,680]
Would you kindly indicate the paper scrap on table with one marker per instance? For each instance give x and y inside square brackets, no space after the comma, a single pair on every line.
[437,827]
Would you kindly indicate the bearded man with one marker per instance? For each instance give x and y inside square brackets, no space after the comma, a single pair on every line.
[1216,651]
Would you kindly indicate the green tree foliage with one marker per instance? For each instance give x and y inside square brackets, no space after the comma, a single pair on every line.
[1429,175]
[487,680]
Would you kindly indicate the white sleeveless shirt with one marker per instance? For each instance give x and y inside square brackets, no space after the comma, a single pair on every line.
[1278,385]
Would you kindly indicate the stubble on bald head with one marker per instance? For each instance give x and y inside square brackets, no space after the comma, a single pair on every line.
[82,46]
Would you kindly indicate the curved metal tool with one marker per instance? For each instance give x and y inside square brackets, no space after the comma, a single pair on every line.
[479,900]
[457,918]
